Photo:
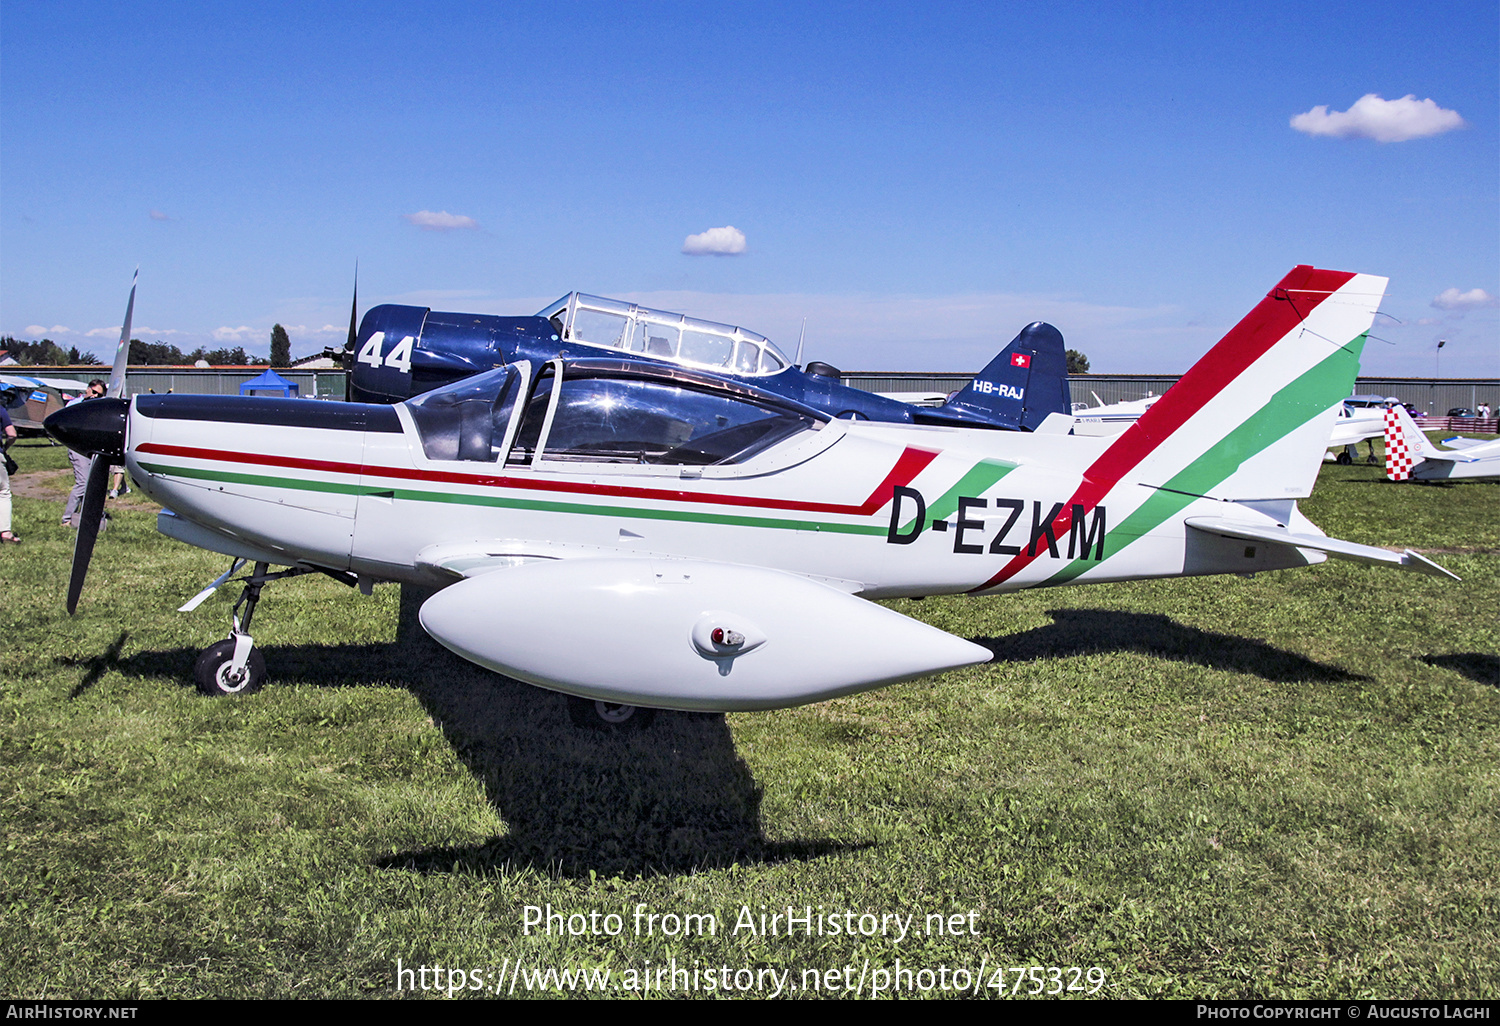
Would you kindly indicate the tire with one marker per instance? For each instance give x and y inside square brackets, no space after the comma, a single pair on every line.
[1344,459]
[212,671]
[608,716]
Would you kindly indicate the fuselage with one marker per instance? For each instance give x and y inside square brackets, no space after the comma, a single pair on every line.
[878,510]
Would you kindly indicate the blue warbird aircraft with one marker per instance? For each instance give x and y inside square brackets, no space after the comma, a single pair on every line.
[402,351]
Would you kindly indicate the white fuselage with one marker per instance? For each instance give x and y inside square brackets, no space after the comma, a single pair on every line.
[820,504]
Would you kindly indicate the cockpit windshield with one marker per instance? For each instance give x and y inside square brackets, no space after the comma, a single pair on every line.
[604,420]
[601,414]
[469,419]
[614,324]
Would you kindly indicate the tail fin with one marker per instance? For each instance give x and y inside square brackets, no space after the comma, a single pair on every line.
[1251,419]
[1019,387]
[1248,422]
[1405,445]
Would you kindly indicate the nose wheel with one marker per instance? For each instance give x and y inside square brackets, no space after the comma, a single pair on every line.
[217,674]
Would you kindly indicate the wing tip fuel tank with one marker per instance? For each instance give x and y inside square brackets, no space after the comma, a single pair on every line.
[632,630]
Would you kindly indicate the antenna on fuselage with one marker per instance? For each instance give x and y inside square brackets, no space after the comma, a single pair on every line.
[800,335]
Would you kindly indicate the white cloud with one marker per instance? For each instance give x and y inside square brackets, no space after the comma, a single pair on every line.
[240,334]
[439,221]
[1381,120]
[726,241]
[39,330]
[1452,299]
[157,215]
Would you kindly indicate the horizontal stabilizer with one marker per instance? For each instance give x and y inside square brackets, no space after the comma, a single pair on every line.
[1407,560]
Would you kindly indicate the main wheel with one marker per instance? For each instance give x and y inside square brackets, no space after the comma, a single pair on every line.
[610,716]
[215,673]
[1344,459]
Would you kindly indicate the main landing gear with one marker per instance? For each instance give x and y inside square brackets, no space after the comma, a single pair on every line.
[608,716]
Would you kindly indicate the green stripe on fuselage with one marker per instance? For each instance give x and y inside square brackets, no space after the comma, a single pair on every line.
[1304,399]
[502,502]
[973,484]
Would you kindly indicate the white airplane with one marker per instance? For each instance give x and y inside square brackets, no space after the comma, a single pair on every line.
[1112,418]
[657,536]
[1409,455]
[1358,419]
[1355,420]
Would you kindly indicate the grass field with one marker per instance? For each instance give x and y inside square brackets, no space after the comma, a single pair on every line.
[1283,787]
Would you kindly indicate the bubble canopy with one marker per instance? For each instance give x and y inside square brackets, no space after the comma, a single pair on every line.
[615,324]
[603,411]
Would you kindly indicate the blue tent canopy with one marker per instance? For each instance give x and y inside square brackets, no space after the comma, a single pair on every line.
[270,381]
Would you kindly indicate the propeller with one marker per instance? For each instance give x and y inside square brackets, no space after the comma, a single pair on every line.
[345,356]
[96,428]
[348,360]
[88,529]
[116,387]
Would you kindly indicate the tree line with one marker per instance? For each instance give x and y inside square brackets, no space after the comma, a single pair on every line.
[44,353]
[47,353]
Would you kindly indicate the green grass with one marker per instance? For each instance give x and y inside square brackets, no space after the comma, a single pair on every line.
[1282,787]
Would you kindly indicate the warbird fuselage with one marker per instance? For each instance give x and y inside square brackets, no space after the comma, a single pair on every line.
[658,536]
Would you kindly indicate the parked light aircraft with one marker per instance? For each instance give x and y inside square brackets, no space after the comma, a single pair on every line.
[31,400]
[642,534]
[401,351]
[1408,453]
[1355,420]
[1359,418]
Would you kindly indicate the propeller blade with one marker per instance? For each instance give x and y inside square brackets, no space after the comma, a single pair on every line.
[88,527]
[353,313]
[122,351]
[348,360]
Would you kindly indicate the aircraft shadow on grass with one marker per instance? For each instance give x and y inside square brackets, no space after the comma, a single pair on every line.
[1075,632]
[1481,667]
[672,798]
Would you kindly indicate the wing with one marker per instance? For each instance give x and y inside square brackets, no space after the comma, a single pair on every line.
[683,634]
[1466,449]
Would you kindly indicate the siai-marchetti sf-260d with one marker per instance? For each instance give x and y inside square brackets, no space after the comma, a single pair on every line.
[654,536]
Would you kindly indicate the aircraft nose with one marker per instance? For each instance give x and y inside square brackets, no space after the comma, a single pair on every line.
[93,427]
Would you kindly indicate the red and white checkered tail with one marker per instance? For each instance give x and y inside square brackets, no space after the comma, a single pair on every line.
[1403,443]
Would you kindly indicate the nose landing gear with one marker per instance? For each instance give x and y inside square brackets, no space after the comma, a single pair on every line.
[234,666]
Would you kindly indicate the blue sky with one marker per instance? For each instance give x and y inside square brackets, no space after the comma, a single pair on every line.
[918,182]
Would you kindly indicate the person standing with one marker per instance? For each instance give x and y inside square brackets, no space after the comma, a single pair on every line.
[80,462]
[7,436]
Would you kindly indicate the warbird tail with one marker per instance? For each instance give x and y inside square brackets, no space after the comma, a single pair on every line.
[1018,388]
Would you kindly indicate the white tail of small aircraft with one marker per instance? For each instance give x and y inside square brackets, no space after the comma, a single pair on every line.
[1409,455]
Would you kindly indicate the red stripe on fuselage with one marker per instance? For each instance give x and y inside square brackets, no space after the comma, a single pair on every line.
[911,463]
[1284,307]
